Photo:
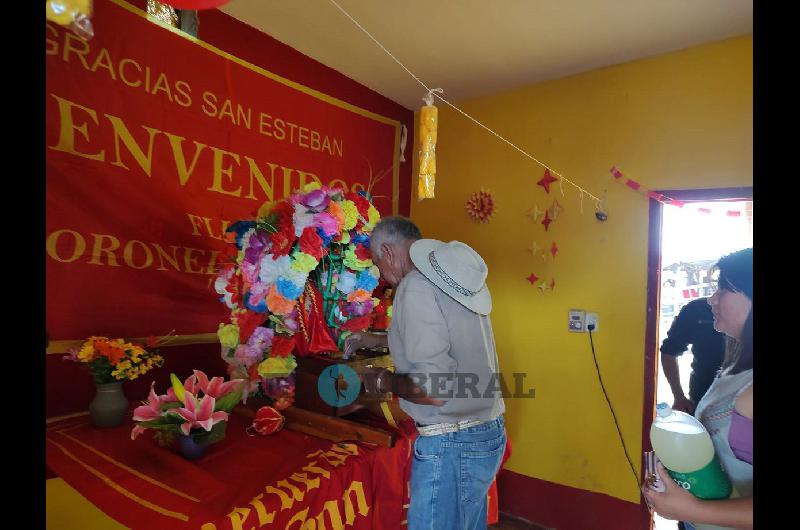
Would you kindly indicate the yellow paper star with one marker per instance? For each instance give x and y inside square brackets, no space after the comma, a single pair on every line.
[534,213]
[534,248]
[543,286]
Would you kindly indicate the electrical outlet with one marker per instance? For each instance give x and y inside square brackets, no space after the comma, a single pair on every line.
[591,318]
[575,320]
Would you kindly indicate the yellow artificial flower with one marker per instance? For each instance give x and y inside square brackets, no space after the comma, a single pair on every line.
[311,186]
[373,216]
[304,263]
[228,335]
[350,215]
[86,352]
[352,262]
[345,238]
[277,366]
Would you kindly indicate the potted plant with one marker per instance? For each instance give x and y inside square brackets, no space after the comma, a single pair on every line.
[196,411]
[111,362]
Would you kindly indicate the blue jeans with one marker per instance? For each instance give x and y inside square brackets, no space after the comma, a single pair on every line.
[450,477]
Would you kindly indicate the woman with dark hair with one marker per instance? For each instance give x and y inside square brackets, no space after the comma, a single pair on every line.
[726,410]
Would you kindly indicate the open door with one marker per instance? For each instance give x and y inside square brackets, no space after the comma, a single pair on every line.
[724,200]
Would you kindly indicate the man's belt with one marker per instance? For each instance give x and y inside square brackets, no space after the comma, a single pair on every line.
[443,428]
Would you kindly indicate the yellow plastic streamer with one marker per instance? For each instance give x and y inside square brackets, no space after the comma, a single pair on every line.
[428,122]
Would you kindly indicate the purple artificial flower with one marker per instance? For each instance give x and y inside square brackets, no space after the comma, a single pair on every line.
[261,338]
[316,200]
[359,309]
[290,321]
[248,355]
[259,242]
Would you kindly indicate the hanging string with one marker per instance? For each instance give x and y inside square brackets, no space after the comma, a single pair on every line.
[437,93]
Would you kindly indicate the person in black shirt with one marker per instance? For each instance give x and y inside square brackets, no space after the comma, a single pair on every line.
[694,325]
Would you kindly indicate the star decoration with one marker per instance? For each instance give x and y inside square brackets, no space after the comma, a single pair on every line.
[532,278]
[556,209]
[543,286]
[553,249]
[534,248]
[534,213]
[552,283]
[546,221]
[546,180]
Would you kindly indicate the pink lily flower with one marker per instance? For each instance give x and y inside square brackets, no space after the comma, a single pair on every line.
[137,430]
[169,397]
[216,387]
[151,411]
[199,414]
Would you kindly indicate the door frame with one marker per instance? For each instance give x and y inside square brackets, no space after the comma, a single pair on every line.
[653,307]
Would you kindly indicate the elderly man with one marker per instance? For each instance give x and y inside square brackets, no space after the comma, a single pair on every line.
[443,350]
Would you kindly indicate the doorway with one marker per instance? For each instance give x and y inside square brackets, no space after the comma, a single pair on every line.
[684,244]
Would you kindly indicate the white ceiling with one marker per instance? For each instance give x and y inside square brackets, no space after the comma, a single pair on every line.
[476,47]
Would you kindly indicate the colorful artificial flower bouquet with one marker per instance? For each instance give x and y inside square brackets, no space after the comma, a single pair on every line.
[298,280]
[114,360]
[197,408]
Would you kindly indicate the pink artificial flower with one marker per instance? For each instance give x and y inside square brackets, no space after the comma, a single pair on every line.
[326,222]
[199,414]
[250,271]
[151,411]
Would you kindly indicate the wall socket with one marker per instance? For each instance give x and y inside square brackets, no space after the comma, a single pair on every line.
[591,318]
[578,321]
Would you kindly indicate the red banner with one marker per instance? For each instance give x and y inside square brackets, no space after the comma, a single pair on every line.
[286,480]
[156,142]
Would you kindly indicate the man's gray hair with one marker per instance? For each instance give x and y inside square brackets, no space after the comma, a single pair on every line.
[393,230]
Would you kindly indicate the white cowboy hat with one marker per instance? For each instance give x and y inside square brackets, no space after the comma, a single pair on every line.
[456,269]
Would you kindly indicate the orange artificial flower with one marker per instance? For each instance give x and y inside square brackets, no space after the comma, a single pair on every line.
[277,303]
[359,295]
[335,210]
[114,352]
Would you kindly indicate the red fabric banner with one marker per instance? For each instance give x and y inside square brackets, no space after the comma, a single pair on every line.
[155,143]
[286,480]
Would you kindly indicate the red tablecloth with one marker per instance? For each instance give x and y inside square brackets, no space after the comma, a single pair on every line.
[278,481]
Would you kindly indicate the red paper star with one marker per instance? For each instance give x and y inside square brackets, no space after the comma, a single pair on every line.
[546,180]
[553,249]
[546,221]
[552,284]
[532,278]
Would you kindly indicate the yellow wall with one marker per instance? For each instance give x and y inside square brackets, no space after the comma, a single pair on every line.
[676,121]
